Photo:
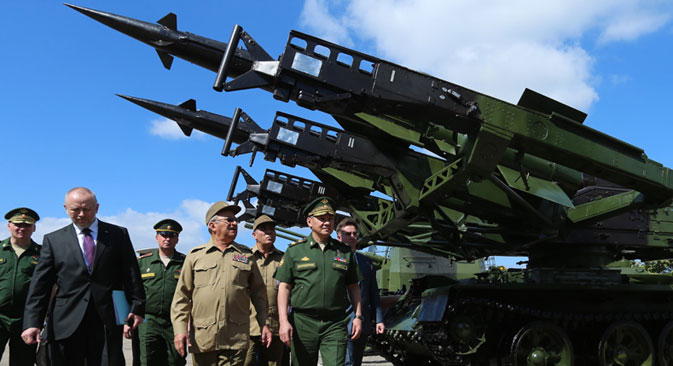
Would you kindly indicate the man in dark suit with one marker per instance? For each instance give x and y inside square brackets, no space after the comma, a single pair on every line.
[87,261]
[347,233]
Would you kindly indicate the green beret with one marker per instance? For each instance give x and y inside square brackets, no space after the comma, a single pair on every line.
[320,206]
[22,215]
[168,225]
[219,206]
[264,219]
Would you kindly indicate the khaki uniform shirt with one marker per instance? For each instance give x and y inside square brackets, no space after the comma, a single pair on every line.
[214,292]
[319,279]
[267,266]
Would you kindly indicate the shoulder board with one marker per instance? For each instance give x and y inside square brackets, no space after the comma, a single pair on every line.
[196,249]
[243,248]
[297,242]
[146,255]
[179,255]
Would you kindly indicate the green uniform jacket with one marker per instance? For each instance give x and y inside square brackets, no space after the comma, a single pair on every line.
[160,281]
[15,276]
[319,279]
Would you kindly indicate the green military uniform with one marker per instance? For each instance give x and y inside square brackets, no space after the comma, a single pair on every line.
[156,332]
[15,275]
[319,279]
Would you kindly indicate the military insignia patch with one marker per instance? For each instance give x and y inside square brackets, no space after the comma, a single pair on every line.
[339,257]
[36,257]
[306,266]
[239,258]
[147,275]
[305,259]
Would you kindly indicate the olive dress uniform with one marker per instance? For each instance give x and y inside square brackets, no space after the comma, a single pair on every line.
[272,356]
[156,332]
[214,291]
[15,275]
[319,298]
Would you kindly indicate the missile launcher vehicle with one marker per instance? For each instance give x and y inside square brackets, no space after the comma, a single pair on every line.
[425,164]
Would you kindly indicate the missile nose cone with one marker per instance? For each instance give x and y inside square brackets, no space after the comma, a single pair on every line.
[139,101]
[146,32]
[98,15]
[169,111]
[164,109]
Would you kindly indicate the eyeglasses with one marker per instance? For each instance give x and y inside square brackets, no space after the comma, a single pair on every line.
[349,233]
[227,219]
[167,234]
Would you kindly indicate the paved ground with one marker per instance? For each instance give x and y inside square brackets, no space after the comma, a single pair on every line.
[369,360]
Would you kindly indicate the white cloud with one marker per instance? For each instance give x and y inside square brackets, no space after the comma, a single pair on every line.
[169,129]
[496,47]
[316,15]
[629,26]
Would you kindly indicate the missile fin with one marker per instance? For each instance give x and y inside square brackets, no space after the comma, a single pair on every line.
[189,104]
[185,129]
[170,20]
[166,59]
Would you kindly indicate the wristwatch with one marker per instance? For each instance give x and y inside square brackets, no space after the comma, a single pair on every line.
[360,317]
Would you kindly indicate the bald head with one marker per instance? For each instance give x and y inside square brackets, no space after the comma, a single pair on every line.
[81,205]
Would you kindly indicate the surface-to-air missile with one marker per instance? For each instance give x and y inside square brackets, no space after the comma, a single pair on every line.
[497,179]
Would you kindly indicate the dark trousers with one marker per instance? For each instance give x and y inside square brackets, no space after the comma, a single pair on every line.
[355,350]
[20,354]
[91,344]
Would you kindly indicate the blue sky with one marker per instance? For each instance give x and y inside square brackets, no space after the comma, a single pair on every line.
[62,125]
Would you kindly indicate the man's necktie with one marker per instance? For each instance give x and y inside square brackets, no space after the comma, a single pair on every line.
[88,247]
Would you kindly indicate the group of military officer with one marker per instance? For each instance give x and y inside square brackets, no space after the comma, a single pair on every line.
[229,304]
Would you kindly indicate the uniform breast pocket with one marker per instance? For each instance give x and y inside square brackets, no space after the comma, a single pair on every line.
[340,267]
[241,273]
[29,270]
[204,274]
[309,266]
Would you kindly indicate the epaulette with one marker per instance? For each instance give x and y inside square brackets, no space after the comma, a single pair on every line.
[243,248]
[146,255]
[297,242]
[196,249]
